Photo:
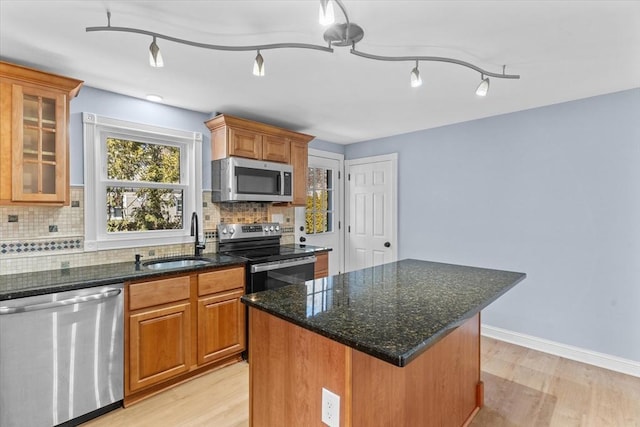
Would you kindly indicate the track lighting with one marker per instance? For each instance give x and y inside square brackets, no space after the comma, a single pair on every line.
[258,65]
[155,57]
[416,80]
[346,34]
[483,87]
[327,16]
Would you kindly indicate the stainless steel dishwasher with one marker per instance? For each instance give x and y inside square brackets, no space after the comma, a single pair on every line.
[61,356]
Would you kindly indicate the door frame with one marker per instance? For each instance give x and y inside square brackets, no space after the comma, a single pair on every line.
[339,200]
[393,157]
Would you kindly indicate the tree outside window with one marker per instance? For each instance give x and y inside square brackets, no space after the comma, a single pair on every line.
[143,191]
[319,208]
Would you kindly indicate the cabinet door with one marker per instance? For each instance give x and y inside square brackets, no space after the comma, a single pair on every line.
[245,143]
[300,162]
[221,326]
[159,345]
[276,149]
[39,146]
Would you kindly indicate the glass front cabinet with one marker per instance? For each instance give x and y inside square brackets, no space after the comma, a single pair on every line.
[34,140]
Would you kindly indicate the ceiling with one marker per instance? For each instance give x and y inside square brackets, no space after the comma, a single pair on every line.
[563,50]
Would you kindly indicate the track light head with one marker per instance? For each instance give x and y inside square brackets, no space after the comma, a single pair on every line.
[483,87]
[326,15]
[258,65]
[416,80]
[155,57]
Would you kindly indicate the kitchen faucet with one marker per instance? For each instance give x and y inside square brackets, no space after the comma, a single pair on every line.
[198,247]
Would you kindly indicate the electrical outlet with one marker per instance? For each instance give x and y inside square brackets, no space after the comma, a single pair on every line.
[330,408]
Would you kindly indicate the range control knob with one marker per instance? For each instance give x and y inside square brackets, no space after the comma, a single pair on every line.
[232,230]
[266,229]
[277,228]
[224,230]
[271,228]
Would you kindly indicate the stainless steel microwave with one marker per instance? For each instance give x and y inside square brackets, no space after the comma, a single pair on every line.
[236,179]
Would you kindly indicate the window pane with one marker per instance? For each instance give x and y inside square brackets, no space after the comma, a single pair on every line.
[310,179]
[138,161]
[319,209]
[138,209]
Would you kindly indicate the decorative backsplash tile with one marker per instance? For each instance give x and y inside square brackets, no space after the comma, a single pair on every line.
[40,247]
[45,238]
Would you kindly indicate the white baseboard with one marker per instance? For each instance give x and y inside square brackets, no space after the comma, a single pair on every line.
[614,363]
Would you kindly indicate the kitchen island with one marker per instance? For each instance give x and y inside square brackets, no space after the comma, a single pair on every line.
[399,343]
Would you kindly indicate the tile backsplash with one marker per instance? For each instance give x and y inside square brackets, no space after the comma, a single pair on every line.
[35,238]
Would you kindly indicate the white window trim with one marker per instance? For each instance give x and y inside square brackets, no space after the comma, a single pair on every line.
[96,128]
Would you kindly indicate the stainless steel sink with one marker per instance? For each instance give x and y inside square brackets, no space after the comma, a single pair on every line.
[176,263]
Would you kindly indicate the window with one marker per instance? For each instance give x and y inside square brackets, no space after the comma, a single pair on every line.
[132,204]
[139,182]
[320,207]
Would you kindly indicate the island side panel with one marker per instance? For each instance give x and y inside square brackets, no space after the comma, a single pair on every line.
[441,387]
[288,367]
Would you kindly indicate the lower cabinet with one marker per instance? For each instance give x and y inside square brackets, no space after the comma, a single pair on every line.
[180,326]
[221,326]
[160,345]
[321,267]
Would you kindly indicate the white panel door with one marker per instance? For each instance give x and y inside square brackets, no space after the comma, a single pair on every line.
[372,211]
[319,223]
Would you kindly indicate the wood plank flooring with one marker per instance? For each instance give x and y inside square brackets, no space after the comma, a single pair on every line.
[522,388]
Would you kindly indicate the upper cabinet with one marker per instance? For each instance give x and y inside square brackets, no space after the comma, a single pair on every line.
[233,136]
[34,139]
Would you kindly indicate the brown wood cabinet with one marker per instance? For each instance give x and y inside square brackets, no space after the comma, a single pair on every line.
[159,344]
[300,163]
[34,140]
[221,326]
[321,267]
[180,326]
[290,366]
[233,136]
[221,315]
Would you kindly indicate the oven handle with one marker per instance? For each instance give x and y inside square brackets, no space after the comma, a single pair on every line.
[276,265]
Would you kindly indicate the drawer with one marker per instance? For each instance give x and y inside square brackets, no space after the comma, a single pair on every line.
[156,292]
[220,280]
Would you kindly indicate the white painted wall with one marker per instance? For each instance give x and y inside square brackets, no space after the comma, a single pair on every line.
[553,192]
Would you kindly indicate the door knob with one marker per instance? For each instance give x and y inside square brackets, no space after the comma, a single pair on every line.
[387,244]
[303,239]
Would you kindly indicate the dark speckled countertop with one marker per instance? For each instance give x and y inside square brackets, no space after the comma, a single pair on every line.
[50,281]
[393,311]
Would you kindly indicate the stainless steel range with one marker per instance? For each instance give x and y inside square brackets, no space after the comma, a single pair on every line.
[270,265]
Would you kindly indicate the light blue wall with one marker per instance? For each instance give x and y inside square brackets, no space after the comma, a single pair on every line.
[122,107]
[319,144]
[553,192]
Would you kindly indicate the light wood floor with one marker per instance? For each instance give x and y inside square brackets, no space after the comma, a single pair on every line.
[522,388]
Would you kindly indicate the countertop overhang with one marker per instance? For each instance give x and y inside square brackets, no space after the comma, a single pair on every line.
[393,311]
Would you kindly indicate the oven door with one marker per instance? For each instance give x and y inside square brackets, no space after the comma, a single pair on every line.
[277,274]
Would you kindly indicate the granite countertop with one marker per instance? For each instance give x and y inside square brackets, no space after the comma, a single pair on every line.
[50,281]
[393,311]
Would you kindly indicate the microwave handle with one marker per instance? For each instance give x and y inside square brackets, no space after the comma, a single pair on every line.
[279,184]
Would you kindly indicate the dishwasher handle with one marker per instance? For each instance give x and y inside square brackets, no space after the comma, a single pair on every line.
[54,304]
